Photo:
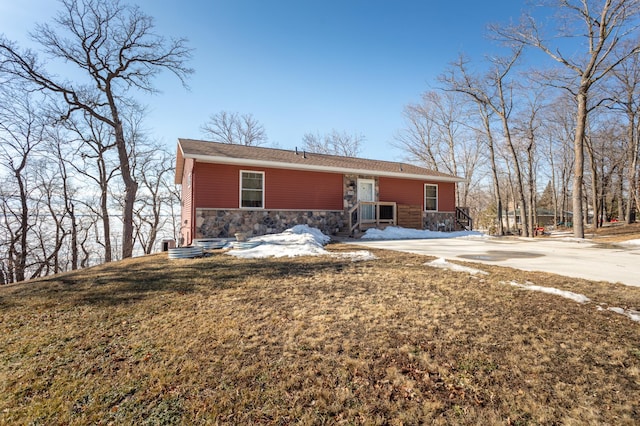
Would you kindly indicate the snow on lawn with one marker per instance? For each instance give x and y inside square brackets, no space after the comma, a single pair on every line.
[633,315]
[398,233]
[631,243]
[355,256]
[442,263]
[301,240]
[580,298]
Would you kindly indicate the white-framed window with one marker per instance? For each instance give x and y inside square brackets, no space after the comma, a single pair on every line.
[430,197]
[251,189]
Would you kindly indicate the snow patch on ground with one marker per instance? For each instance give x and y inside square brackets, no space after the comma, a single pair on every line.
[398,233]
[442,263]
[580,298]
[355,256]
[560,234]
[299,234]
[631,243]
[633,315]
[575,240]
[301,240]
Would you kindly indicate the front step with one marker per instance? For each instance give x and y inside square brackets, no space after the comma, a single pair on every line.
[342,233]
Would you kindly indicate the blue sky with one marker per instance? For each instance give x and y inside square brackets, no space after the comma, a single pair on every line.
[302,66]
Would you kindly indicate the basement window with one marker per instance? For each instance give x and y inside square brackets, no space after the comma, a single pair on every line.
[251,189]
[430,197]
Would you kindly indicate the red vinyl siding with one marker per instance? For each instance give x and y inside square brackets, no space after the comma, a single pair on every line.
[219,187]
[402,191]
[446,196]
[411,192]
[294,189]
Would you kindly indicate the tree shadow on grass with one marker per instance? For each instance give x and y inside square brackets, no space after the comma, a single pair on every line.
[123,283]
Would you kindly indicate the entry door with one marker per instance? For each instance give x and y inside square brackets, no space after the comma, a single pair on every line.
[367,192]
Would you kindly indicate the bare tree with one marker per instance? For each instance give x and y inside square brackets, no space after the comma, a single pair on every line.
[485,114]
[559,130]
[605,26]
[438,135]
[527,128]
[418,138]
[21,135]
[234,128]
[604,146]
[68,190]
[52,229]
[627,95]
[94,145]
[333,143]
[494,92]
[154,173]
[115,47]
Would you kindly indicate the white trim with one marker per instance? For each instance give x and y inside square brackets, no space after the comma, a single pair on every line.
[367,212]
[425,197]
[373,188]
[317,168]
[240,189]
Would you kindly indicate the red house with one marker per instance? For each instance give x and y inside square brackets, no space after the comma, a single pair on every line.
[235,188]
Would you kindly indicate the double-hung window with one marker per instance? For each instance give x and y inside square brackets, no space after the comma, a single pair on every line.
[430,197]
[251,189]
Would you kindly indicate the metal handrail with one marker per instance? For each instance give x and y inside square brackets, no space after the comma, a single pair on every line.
[462,214]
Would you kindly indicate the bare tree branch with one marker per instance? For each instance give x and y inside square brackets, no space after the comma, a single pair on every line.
[233,128]
[333,143]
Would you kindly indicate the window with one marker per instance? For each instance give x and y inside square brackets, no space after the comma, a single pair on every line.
[251,189]
[430,197]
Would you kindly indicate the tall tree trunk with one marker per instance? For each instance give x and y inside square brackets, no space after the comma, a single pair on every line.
[595,205]
[74,237]
[634,141]
[520,186]
[578,170]
[531,211]
[106,222]
[516,162]
[554,191]
[103,179]
[130,185]
[507,216]
[494,168]
[21,254]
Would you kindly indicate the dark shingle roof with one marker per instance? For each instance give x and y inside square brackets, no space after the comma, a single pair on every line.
[214,152]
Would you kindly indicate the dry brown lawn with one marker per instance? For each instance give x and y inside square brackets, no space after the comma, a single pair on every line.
[314,340]
[616,233]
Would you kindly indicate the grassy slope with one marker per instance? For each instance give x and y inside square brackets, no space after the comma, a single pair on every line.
[314,340]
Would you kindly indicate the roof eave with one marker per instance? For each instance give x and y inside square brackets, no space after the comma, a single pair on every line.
[318,168]
[179,166]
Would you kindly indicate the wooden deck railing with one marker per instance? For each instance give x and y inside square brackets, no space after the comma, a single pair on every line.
[384,213]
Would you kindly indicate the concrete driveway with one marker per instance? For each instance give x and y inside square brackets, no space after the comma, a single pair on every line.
[581,259]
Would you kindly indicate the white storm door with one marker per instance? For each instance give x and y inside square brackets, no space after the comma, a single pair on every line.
[367,192]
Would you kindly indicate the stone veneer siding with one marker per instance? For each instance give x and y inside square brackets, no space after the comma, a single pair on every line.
[439,221]
[350,192]
[218,223]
